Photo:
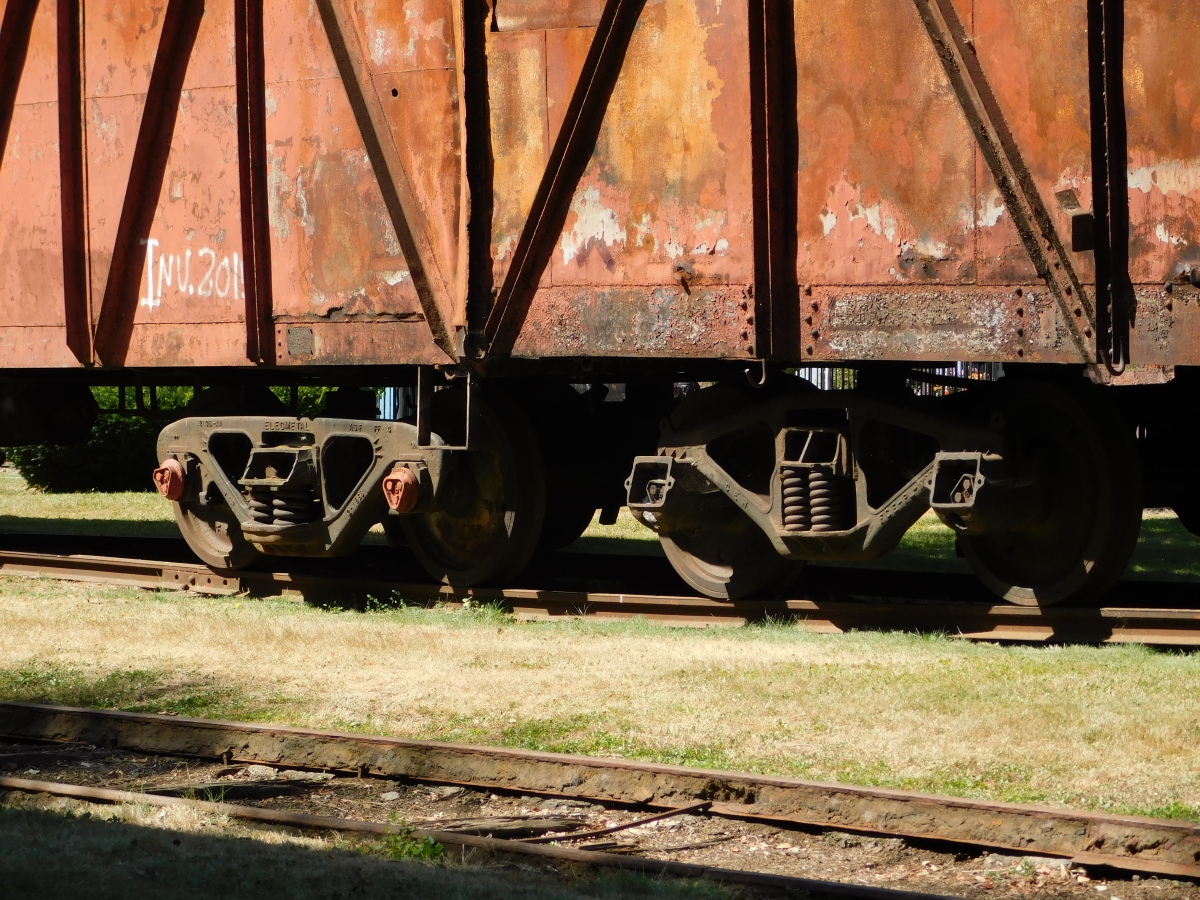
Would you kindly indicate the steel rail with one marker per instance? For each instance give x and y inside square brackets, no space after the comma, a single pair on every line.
[645,865]
[970,621]
[1131,843]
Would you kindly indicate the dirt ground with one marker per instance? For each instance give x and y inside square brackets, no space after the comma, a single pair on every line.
[723,843]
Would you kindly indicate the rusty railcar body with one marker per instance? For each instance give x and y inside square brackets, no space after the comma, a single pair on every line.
[496,200]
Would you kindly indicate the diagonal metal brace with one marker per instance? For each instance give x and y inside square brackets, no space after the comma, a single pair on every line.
[1013,178]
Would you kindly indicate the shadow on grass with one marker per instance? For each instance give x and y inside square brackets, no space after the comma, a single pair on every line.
[139,528]
[134,690]
[51,854]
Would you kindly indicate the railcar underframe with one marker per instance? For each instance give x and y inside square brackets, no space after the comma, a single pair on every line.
[507,204]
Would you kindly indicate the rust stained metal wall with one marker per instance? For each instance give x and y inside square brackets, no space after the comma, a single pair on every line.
[618,171]
[340,277]
[657,253]
[32,331]
[1162,96]
[894,193]
[190,299]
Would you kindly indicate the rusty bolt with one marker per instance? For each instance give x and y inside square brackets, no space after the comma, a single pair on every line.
[1020,332]
[816,334]
[1087,332]
[809,349]
[1020,351]
[816,307]
[808,290]
[168,478]
[402,490]
[1078,312]
[1169,305]
[1020,310]
[1069,290]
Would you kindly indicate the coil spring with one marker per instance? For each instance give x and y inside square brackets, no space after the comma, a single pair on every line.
[797,514]
[828,500]
[282,506]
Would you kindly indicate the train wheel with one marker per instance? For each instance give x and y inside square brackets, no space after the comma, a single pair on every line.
[490,521]
[214,535]
[1095,506]
[728,557]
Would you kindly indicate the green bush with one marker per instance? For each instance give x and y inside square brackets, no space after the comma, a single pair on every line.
[120,454]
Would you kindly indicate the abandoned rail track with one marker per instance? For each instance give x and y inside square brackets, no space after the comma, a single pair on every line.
[835,600]
[528,847]
[1098,841]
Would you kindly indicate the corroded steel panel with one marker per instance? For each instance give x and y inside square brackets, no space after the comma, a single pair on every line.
[352,343]
[334,252]
[423,111]
[638,321]
[31,265]
[517,74]
[668,190]
[935,323]
[192,267]
[1035,56]
[886,158]
[39,80]
[667,196]
[905,243]
[536,15]
[1162,96]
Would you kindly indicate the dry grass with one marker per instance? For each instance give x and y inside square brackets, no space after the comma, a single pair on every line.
[63,848]
[1108,728]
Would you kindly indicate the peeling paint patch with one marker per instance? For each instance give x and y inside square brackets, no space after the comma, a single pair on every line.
[1177,176]
[595,224]
[1167,238]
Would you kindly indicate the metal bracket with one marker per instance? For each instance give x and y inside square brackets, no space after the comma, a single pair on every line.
[425,386]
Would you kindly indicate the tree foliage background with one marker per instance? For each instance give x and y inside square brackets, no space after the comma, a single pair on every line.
[120,454]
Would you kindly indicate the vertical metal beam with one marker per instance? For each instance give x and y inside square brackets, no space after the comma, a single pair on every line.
[775,144]
[1013,178]
[1115,298]
[252,172]
[15,31]
[115,325]
[477,200]
[568,161]
[433,289]
[72,169]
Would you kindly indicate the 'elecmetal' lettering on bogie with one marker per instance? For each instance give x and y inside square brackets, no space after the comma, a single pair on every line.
[287,425]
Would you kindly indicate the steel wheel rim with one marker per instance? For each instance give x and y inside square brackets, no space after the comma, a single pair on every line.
[496,506]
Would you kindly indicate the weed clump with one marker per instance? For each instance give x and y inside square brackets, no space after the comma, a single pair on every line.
[407,844]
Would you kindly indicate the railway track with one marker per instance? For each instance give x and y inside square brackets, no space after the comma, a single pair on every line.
[644,791]
[838,600]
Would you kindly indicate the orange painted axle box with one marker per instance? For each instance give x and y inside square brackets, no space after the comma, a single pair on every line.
[332,182]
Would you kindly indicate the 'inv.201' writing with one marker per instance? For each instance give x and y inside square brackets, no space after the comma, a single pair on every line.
[211,276]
